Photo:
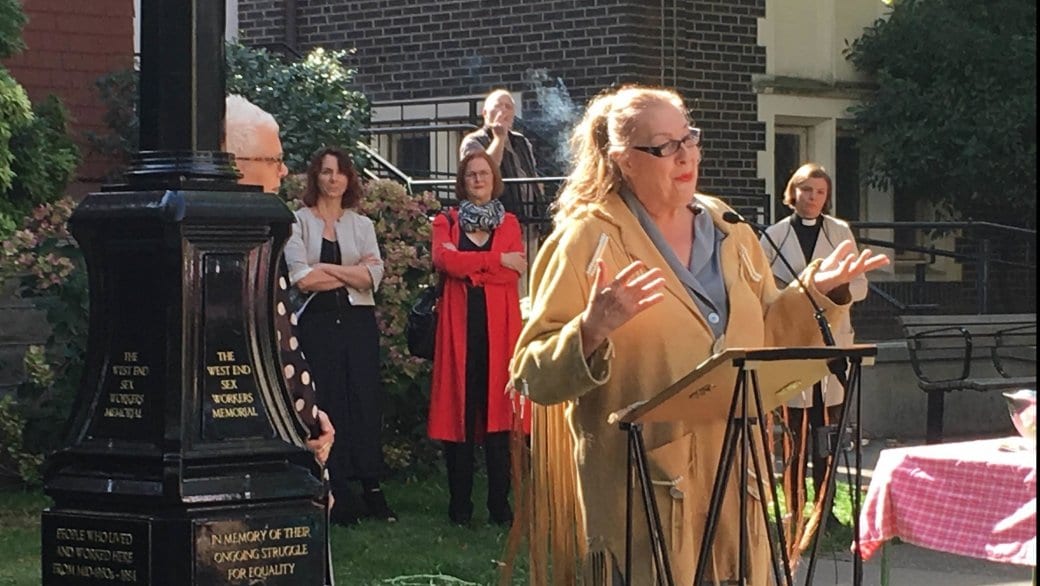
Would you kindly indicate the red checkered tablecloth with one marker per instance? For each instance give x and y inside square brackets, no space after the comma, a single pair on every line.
[976,499]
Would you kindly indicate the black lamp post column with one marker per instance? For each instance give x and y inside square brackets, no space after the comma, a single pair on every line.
[183,463]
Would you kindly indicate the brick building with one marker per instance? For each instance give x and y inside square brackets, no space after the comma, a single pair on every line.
[69,45]
[767,81]
[420,50]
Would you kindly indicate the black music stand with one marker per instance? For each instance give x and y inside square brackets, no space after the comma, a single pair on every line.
[761,379]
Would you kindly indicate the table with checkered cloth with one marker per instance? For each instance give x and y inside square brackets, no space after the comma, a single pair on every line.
[976,499]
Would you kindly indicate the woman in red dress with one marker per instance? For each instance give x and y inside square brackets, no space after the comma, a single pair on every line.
[478,250]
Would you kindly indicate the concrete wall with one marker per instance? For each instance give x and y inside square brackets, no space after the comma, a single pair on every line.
[895,407]
[22,325]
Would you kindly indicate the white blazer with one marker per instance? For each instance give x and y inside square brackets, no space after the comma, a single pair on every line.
[832,232]
[356,236]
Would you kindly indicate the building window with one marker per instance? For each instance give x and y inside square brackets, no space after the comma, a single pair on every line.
[847,179]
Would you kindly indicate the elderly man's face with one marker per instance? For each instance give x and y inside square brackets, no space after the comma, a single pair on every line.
[262,164]
[499,109]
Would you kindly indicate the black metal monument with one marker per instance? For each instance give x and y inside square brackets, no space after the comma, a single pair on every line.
[184,464]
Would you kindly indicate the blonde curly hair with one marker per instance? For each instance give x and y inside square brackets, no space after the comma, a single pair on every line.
[609,122]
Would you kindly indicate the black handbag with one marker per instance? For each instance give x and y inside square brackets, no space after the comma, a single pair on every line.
[421,328]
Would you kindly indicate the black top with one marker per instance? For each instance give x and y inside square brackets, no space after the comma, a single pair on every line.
[807,235]
[477,362]
[336,299]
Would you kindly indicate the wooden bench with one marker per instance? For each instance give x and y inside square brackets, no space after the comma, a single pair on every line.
[1007,342]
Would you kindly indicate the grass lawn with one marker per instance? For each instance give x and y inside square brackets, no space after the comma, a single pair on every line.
[20,537]
[423,548]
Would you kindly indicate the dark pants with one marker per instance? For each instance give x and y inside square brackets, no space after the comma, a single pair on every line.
[459,458]
[813,450]
[342,348]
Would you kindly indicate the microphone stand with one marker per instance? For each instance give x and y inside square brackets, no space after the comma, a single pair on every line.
[838,368]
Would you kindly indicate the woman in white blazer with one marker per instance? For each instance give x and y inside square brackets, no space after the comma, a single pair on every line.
[333,253]
[804,236]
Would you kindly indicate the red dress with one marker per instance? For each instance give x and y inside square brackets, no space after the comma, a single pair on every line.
[461,269]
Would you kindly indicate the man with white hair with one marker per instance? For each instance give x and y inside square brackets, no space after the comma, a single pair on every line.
[508,148]
[251,134]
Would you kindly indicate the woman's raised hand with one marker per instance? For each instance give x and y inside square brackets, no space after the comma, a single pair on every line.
[612,303]
[844,264]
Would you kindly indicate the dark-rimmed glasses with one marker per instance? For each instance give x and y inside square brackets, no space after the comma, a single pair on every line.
[671,147]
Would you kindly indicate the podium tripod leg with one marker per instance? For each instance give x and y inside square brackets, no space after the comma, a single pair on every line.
[852,395]
[782,574]
[637,452]
[742,494]
[718,490]
[855,383]
[629,482]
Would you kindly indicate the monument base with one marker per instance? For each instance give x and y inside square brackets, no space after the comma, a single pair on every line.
[267,544]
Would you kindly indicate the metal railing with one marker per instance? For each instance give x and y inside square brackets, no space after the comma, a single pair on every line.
[987,250]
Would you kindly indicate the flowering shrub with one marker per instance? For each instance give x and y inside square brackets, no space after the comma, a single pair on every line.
[38,253]
[16,461]
[46,266]
[403,227]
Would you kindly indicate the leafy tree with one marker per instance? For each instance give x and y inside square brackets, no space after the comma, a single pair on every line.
[37,156]
[118,91]
[404,231]
[45,156]
[43,262]
[953,120]
[12,19]
[15,109]
[311,99]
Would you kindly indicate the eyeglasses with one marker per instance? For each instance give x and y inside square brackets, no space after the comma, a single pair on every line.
[477,175]
[273,160]
[671,147]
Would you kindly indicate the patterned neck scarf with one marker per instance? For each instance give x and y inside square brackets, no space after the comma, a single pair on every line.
[480,218]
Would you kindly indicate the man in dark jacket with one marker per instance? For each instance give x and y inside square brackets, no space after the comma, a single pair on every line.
[509,149]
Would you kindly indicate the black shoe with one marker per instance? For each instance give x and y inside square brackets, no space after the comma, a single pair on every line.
[343,518]
[460,519]
[460,512]
[347,509]
[375,502]
[502,516]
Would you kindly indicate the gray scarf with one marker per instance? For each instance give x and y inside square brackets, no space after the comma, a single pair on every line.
[480,218]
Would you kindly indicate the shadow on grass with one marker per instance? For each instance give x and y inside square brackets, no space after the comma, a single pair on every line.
[423,548]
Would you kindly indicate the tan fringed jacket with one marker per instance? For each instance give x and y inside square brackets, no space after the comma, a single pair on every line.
[640,359]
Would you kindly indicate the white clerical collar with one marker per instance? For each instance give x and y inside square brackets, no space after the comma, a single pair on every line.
[808,222]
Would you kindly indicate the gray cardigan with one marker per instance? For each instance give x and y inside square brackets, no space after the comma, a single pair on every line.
[356,236]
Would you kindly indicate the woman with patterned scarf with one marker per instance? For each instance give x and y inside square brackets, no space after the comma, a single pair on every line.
[478,250]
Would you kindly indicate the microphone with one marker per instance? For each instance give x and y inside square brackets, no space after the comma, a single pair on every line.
[821,320]
[837,368]
[733,217]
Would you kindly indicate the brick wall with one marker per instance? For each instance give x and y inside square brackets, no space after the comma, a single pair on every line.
[414,49]
[69,46]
